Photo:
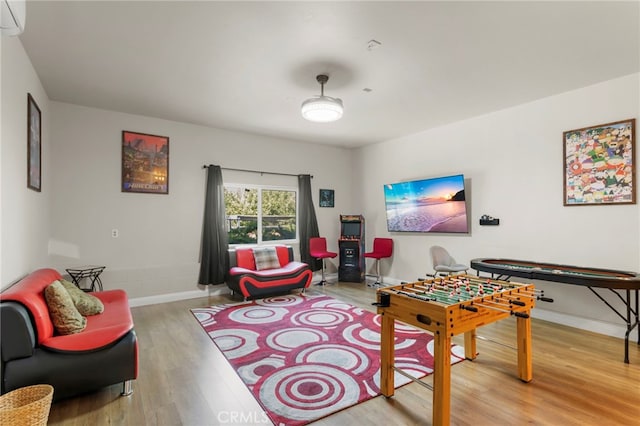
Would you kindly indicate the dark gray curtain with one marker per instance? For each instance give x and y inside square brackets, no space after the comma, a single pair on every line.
[308,223]
[214,256]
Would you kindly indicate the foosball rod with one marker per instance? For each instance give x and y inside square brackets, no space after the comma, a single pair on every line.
[492,282]
[539,294]
[445,293]
[423,296]
[447,284]
[424,291]
[430,289]
[474,280]
[512,285]
[464,294]
[516,313]
[427,296]
[454,286]
[511,301]
[494,286]
[477,283]
[493,302]
[525,292]
[456,298]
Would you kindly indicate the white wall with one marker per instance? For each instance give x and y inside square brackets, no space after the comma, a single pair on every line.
[0,166]
[24,223]
[512,162]
[157,251]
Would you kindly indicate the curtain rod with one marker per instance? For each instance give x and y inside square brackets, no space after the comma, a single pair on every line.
[254,171]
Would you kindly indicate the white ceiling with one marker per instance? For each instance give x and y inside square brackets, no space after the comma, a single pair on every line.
[249,65]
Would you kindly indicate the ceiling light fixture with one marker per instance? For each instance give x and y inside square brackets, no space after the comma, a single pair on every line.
[322,109]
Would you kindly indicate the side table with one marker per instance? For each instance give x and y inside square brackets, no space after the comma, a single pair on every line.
[90,272]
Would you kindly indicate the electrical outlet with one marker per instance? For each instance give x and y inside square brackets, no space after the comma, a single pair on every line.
[115,233]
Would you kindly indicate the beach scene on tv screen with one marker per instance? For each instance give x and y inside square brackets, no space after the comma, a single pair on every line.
[428,205]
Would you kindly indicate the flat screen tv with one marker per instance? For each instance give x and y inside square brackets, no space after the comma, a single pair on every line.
[427,205]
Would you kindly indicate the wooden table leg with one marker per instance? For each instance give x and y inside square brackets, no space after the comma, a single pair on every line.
[525,364]
[441,379]
[470,349]
[387,360]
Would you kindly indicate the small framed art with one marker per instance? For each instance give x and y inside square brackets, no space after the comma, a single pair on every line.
[599,164]
[326,197]
[145,163]
[34,145]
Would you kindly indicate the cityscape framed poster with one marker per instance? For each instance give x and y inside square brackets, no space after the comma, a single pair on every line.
[599,164]
[145,163]
[34,145]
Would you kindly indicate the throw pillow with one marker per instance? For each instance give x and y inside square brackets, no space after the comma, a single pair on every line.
[64,315]
[266,258]
[87,304]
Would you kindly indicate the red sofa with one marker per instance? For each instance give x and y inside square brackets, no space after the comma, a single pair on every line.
[244,278]
[104,353]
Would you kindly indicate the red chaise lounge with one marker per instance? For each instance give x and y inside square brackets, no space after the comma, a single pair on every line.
[258,271]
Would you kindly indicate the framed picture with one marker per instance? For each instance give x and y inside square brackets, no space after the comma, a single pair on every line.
[145,163]
[34,145]
[326,197]
[599,164]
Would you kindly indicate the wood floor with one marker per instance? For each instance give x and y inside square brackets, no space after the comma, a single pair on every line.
[579,379]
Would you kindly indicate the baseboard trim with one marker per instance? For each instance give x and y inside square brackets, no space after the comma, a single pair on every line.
[587,324]
[174,297]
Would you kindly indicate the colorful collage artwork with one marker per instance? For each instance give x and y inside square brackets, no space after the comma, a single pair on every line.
[599,164]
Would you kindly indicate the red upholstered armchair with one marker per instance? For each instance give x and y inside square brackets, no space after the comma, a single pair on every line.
[104,353]
[258,271]
[382,248]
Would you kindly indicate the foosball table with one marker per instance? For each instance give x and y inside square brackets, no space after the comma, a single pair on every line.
[449,306]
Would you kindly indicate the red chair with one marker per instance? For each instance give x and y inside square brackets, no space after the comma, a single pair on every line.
[318,250]
[382,248]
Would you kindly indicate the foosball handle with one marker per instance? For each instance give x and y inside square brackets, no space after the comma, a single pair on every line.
[384,300]
[545,299]
[521,315]
[469,308]
[518,303]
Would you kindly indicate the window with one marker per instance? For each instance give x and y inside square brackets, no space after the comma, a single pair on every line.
[260,214]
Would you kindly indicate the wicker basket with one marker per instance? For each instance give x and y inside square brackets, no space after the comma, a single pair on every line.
[28,406]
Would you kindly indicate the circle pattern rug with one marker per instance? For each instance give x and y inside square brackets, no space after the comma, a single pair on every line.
[305,357]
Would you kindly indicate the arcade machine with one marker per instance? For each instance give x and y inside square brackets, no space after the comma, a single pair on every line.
[351,246]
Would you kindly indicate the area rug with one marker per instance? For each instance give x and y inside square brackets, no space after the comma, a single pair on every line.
[305,357]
